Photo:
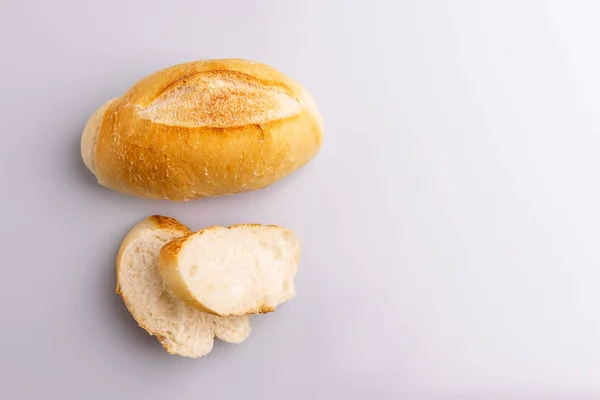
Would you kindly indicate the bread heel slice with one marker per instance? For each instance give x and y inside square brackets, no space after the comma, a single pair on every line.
[243,269]
[181,329]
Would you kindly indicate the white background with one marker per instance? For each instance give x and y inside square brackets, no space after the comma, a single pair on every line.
[450,223]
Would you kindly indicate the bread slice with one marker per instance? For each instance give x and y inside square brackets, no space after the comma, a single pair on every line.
[243,269]
[179,328]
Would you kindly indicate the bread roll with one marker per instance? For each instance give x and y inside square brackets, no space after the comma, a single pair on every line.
[243,269]
[203,128]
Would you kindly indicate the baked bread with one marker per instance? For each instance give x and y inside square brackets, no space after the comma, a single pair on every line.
[179,328]
[203,128]
[243,269]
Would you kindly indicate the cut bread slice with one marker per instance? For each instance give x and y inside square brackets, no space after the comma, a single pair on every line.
[243,269]
[179,328]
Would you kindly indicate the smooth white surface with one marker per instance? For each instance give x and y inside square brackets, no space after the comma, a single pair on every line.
[450,224]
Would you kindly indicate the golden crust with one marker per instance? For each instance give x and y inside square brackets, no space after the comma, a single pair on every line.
[205,128]
[265,309]
[168,224]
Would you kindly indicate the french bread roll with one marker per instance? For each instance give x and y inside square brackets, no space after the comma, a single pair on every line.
[243,269]
[181,329]
[203,128]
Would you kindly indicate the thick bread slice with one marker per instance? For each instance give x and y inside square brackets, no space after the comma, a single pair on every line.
[243,269]
[179,328]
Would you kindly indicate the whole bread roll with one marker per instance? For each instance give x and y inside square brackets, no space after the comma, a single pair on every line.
[203,128]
